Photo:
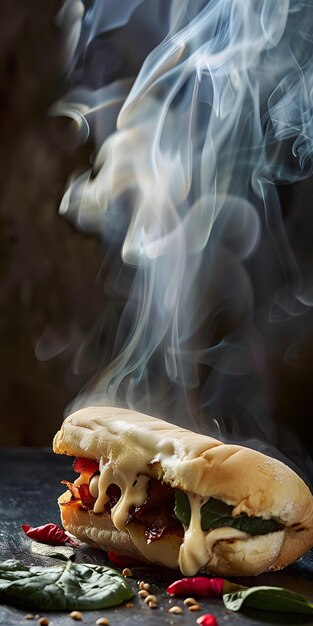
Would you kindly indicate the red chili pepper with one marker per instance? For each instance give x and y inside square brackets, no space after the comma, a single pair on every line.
[207,620]
[51,534]
[199,585]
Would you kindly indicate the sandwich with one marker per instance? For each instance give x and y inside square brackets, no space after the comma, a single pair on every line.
[163,494]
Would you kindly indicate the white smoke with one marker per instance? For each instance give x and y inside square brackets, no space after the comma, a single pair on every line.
[198,111]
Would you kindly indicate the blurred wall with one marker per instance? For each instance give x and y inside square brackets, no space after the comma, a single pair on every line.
[49,292]
[51,289]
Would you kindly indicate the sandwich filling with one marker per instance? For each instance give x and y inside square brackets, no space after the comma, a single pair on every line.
[132,497]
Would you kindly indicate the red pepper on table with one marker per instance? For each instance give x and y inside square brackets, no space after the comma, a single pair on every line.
[203,586]
[51,534]
[207,620]
[199,585]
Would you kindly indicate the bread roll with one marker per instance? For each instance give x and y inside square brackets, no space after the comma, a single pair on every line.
[132,448]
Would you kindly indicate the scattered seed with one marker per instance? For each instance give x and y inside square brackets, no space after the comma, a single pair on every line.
[152,605]
[175,609]
[150,598]
[29,616]
[143,585]
[190,601]
[143,593]
[194,607]
[127,572]
[43,621]
[129,605]
[76,615]
[102,621]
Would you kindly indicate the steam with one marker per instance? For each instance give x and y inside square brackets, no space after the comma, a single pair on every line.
[192,138]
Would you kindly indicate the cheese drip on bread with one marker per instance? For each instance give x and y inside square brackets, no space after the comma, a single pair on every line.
[132,484]
[197,547]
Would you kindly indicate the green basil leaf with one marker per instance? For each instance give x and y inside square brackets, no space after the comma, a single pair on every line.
[182,507]
[217,514]
[62,587]
[268,599]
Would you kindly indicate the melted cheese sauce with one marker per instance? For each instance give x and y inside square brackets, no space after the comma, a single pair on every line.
[197,548]
[164,551]
[132,484]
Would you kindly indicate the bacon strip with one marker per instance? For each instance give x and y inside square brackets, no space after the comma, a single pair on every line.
[72,488]
[87,500]
[157,512]
[85,466]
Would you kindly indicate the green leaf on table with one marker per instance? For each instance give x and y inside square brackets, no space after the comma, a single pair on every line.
[62,587]
[268,599]
[182,508]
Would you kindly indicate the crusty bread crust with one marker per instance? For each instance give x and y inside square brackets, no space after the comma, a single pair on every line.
[246,479]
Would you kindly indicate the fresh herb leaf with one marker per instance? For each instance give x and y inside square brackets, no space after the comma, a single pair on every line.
[268,599]
[62,587]
[182,508]
[217,514]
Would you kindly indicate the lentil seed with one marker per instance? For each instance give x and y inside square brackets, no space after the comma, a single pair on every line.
[190,601]
[102,621]
[150,598]
[175,609]
[194,607]
[144,585]
[152,605]
[76,615]
[127,572]
[143,593]
[43,621]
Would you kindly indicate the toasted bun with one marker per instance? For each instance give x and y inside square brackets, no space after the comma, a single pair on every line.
[249,481]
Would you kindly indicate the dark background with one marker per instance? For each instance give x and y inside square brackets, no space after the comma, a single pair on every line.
[49,287]
[52,275]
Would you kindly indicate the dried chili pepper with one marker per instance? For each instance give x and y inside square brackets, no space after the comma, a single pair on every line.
[51,534]
[199,585]
[207,620]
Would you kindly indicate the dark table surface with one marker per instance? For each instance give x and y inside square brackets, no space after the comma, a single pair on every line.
[29,487]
